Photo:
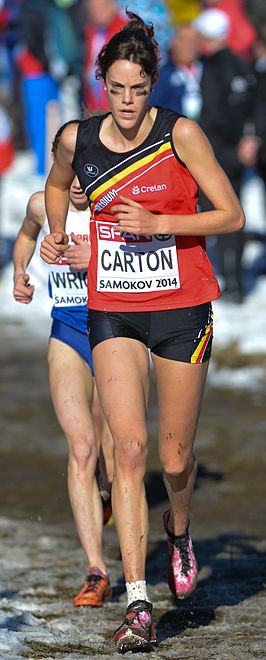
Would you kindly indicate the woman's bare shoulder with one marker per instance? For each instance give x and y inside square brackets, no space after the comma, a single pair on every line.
[36,207]
[189,139]
[69,136]
[187,129]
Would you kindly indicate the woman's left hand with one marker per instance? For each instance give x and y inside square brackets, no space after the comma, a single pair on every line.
[132,217]
[78,255]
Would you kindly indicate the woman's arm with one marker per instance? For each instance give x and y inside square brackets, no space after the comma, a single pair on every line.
[195,151]
[57,189]
[25,245]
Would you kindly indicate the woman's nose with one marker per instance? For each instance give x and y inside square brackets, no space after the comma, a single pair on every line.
[127,96]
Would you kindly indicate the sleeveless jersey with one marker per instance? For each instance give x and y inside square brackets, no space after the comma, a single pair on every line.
[68,286]
[130,272]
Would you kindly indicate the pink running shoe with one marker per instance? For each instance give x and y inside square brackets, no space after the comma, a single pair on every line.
[182,569]
[136,633]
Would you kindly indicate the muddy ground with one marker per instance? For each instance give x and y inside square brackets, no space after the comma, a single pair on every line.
[42,564]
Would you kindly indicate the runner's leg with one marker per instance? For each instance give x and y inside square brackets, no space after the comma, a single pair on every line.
[121,368]
[180,387]
[104,442]
[71,385]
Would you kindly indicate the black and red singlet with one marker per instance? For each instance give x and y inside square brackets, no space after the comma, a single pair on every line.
[129,272]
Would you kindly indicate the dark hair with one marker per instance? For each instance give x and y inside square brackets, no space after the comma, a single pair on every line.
[136,43]
[58,134]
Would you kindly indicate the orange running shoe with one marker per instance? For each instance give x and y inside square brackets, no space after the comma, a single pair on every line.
[95,591]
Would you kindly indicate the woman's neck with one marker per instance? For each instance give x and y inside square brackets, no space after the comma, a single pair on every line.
[79,207]
[120,140]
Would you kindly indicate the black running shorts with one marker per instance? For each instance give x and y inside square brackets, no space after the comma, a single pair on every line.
[183,335]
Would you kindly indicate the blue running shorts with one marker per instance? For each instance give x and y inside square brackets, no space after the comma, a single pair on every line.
[72,337]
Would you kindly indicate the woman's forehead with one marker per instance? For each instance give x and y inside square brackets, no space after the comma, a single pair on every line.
[125,70]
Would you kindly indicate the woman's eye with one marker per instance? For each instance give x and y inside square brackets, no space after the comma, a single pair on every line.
[115,90]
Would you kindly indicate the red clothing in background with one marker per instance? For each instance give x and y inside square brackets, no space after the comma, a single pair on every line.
[242,33]
[94,95]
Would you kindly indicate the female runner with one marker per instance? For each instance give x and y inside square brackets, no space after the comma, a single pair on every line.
[150,286]
[71,379]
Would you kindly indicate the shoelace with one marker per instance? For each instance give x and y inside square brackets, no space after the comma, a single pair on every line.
[129,620]
[93,582]
[182,546]
[134,615]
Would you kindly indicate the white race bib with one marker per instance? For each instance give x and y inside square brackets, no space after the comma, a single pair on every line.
[134,264]
[68,287]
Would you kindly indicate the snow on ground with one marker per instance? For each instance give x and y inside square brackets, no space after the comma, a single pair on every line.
[243,324]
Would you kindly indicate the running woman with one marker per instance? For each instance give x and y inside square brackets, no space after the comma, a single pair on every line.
[150,286]
[72,387]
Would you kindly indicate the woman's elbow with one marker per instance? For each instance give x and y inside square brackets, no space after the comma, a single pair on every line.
[235,220]
[240,220]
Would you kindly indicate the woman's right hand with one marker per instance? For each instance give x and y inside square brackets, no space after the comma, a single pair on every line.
[23,291]
[53,247]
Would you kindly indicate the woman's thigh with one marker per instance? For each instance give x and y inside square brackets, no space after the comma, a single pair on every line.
[180,387]
[121,367]
[71,385]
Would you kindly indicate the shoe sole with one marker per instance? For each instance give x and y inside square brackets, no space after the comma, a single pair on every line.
[181,595]
[131,642]
[106,597]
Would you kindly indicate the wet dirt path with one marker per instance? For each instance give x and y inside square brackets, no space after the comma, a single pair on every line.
[42,565]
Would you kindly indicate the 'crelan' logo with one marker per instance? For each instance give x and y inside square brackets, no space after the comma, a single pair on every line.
[136,190]
[91,170]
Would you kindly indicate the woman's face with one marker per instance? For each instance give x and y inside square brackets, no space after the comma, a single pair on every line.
[77,196]
[128,92]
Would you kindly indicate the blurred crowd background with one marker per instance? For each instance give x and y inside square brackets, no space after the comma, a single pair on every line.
[213,70]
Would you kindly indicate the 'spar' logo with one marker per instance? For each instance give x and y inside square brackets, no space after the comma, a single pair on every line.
[163,237]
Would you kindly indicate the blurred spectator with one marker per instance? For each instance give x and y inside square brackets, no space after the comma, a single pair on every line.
[259,51]
[183,12]
[50,52]
[65,48]
[6,138]
[38,86]
[242,33]
[65,39]
[256,10]
[228,95]
[156,12]
[103,20]
[178,85]
[9,37]
[257,231]
[12,129]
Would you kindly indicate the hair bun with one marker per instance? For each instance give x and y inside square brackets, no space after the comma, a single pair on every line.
[137,23]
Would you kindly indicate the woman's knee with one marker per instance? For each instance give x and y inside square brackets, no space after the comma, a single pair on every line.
[178,466]
[130,455]
[82,453]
